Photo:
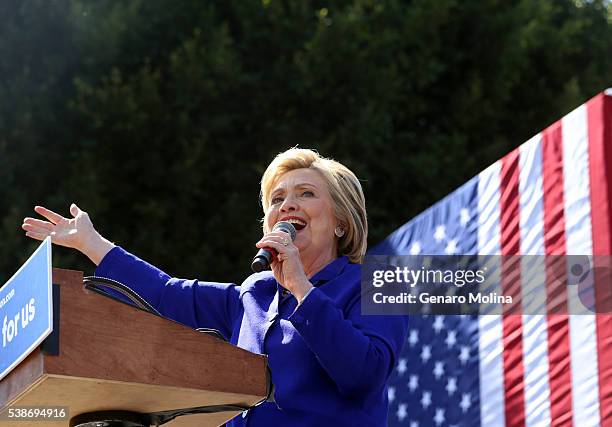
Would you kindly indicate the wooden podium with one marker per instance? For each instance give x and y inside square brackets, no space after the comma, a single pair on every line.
[113,356]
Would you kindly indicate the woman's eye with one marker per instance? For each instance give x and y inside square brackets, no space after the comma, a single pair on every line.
[308,193]
[277,200]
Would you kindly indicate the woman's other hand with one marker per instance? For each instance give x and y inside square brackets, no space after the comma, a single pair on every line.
[77,232]
[286,265]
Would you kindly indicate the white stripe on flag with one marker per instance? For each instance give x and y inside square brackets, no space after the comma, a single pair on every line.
[490,326]
[533,284]
[583,335]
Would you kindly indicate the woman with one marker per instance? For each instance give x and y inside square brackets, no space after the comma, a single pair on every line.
[329,363]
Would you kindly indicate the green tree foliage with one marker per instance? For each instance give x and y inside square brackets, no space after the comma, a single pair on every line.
[158,117]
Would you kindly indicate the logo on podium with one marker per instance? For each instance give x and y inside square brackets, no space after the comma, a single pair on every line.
[26,312]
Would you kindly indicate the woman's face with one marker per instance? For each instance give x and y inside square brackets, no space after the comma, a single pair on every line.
[301,197]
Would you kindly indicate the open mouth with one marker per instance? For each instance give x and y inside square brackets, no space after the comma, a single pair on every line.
[296,222]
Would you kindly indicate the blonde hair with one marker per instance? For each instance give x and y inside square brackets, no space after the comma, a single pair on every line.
[343,186]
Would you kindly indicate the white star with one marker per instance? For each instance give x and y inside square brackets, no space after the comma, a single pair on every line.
[426,353]
[439,418]
[401,366]
[401,411]
[465,402]
[426,399]
[414,424]
[438,370]
[413,384]
[451,247]
[415,248]
[413,339]
[391,394]
[451,339]
[451,386]
[465,355]
[438,324]
[440,233]
[464,217]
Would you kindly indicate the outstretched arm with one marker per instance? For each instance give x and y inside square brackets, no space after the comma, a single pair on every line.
[193,303]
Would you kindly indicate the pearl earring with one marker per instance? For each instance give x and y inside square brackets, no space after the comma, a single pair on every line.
[339,231]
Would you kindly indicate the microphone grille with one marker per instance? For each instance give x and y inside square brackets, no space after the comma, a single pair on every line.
[287,227]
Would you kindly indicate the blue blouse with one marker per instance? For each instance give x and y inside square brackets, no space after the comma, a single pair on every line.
[329,363]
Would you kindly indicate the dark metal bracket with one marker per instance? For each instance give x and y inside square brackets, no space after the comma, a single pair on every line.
[51,345]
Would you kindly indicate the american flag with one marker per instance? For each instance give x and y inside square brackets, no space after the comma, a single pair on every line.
[550,196]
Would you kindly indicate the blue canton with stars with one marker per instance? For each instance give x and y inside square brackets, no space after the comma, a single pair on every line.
[436,379]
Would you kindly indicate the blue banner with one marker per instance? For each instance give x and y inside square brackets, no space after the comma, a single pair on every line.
[26,314]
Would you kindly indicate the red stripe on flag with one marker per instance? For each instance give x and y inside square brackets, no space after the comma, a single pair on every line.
[560,378]
[514,387]
[600,167]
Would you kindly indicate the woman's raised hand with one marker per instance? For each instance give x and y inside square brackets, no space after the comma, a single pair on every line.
[77,232]
[286,265]
[72,233]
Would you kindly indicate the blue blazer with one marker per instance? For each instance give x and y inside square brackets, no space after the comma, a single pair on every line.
[329,363]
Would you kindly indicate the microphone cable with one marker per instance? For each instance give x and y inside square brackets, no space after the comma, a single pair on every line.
[97,284]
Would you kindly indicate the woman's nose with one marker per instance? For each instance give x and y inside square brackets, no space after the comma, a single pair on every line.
[289,204]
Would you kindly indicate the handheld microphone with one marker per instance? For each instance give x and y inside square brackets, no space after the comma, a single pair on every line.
[263,258]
